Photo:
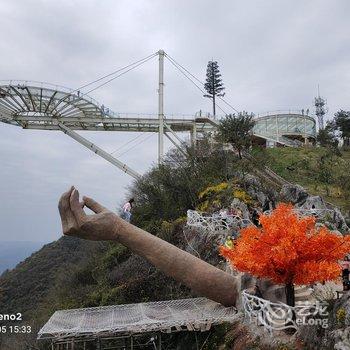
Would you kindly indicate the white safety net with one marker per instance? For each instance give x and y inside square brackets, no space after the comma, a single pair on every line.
[215,222]
[166,316]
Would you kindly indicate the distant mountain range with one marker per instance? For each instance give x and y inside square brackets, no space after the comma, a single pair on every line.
[26,286]
[13,252]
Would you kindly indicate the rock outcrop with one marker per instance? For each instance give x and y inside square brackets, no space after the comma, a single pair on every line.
[294,194]
[330,215]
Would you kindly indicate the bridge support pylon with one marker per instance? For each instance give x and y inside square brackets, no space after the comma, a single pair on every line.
[161,54]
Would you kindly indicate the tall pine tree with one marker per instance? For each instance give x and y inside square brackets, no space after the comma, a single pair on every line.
[213,84]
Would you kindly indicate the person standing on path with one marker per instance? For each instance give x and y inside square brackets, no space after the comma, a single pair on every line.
[127,207]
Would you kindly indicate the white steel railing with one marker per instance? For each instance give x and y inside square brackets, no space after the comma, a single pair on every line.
[285,111]
[45,85]
[107,111]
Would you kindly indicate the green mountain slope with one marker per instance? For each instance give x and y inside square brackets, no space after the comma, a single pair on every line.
[319,170]
[24,287]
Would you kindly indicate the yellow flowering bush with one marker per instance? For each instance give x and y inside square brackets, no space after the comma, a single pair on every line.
[341,314]
[221,195]
[203,206]
[211,190]
[242,196]
[166,226]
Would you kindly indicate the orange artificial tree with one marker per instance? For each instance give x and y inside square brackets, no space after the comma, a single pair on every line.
[288,250]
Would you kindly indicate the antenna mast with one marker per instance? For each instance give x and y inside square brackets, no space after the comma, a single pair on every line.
[321,110]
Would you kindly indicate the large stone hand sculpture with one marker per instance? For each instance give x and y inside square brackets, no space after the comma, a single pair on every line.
[203,278]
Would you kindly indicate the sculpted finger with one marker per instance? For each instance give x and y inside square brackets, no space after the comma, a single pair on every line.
[76,207]
[93,205]
[64,200]
[64,209]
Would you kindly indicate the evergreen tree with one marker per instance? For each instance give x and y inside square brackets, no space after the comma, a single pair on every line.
[213,84]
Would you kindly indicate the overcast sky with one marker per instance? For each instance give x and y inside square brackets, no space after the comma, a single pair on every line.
[272,54]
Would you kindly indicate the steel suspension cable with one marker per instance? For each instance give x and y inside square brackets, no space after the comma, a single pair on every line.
[194,77]
[191,80]
[117,71]
[132,147]
[128,70]
[130,141]
[128,67]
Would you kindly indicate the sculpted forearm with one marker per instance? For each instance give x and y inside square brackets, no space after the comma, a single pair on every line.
[195,273]
[201,277]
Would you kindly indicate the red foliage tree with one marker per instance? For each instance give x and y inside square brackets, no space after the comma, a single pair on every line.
[288,250]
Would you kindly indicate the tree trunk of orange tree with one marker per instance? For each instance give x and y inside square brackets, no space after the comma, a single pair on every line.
[290,296]
[290,299]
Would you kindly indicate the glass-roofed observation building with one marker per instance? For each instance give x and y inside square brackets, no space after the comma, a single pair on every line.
[284,128]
